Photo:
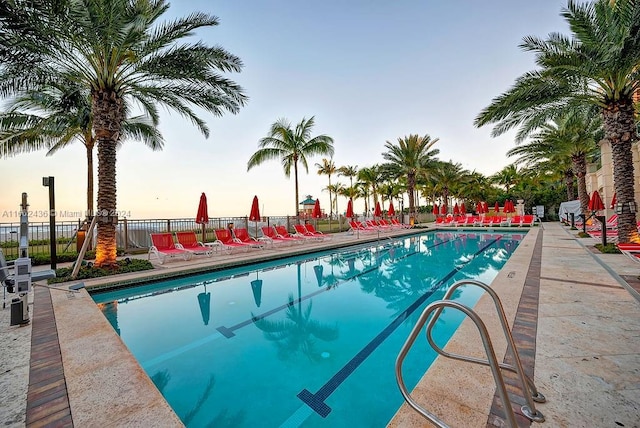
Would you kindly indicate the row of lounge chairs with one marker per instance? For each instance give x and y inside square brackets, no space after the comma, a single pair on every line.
[526,220]
[186,244]
[377,225]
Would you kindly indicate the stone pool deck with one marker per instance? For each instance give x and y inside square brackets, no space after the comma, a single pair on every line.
[575,316]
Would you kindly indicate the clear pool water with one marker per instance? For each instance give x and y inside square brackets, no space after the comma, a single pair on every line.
[306,341]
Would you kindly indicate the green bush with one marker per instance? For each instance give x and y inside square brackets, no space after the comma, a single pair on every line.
[88,271]
[608,249]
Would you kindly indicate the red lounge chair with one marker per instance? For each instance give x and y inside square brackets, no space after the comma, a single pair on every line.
[631,250]
[528,220]
[163,247]
[312,230]
[282,231]
[302,231]
[242,235]
[228,242]
[270,233]
[189,242]
[402,225]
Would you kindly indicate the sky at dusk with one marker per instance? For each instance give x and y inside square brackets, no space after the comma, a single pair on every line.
[369,71]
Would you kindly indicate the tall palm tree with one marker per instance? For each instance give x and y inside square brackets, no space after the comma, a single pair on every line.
[369,177]
[53,117]
[119,51]
[408,157]
[447,177]
[597,65]
[328,168]
[350,171]
[292,147]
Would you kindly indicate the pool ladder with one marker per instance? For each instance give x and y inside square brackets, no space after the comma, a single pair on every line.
[529,390]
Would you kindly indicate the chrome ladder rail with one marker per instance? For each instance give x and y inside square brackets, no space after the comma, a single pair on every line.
[529,390]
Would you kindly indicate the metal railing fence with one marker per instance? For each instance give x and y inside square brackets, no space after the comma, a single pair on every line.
[133,234]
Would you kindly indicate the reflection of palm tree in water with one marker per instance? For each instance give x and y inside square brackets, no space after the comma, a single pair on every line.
[162,378]
[298,332]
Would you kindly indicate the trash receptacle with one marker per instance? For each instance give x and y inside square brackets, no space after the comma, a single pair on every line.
[19,314]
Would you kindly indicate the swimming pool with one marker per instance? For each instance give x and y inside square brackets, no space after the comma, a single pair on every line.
[305,341]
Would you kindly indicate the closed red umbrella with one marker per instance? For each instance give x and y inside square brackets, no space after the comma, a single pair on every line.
[479,207]
[350,209]
[496,207]
[254,215]
[613,201]
[377,212]
[463,209]
[456,209]
[443,209]
[317,213]
[595,203]
[202,216]
[435,211]
[392,211]
[485,207]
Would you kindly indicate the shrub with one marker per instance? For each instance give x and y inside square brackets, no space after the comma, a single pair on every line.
[88,271]
[608,249]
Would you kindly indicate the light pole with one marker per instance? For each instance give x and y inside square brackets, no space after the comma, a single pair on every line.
[49,182]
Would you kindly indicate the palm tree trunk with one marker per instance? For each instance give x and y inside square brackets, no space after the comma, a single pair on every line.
[89,179]
[411,182]
[107,122]
[295,173]
[569,184]
[619,126]
[580,170]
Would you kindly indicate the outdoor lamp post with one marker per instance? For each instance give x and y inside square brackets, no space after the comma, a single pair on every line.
[49,182]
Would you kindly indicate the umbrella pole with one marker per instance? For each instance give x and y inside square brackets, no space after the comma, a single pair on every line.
[204,233]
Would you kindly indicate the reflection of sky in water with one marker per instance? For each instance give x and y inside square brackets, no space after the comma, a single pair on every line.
[236,347]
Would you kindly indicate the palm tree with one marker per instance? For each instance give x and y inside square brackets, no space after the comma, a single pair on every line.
[572,137]
[447,177]
[65,118]
[119,52]
[598,66]
[350,171]
[407,158]
[328,168]
[507,177]
[370,177]
[291,147]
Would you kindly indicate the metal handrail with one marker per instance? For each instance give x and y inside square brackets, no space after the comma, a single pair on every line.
[527,385]
[493,362]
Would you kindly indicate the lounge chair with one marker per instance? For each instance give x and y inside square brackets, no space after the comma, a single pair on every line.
[631,250]
[359,226]
[228,242]
[282,232]
[396,222]
[242,235]
[528,220]
[163,247]
[189,242]
[270,232]
[302,231]
[312,230]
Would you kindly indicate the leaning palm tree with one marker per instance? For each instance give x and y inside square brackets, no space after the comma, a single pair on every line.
[291,147]
[54,117]
[598,66]
[407,158]
[119,52]
[370,176]
[328,168]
